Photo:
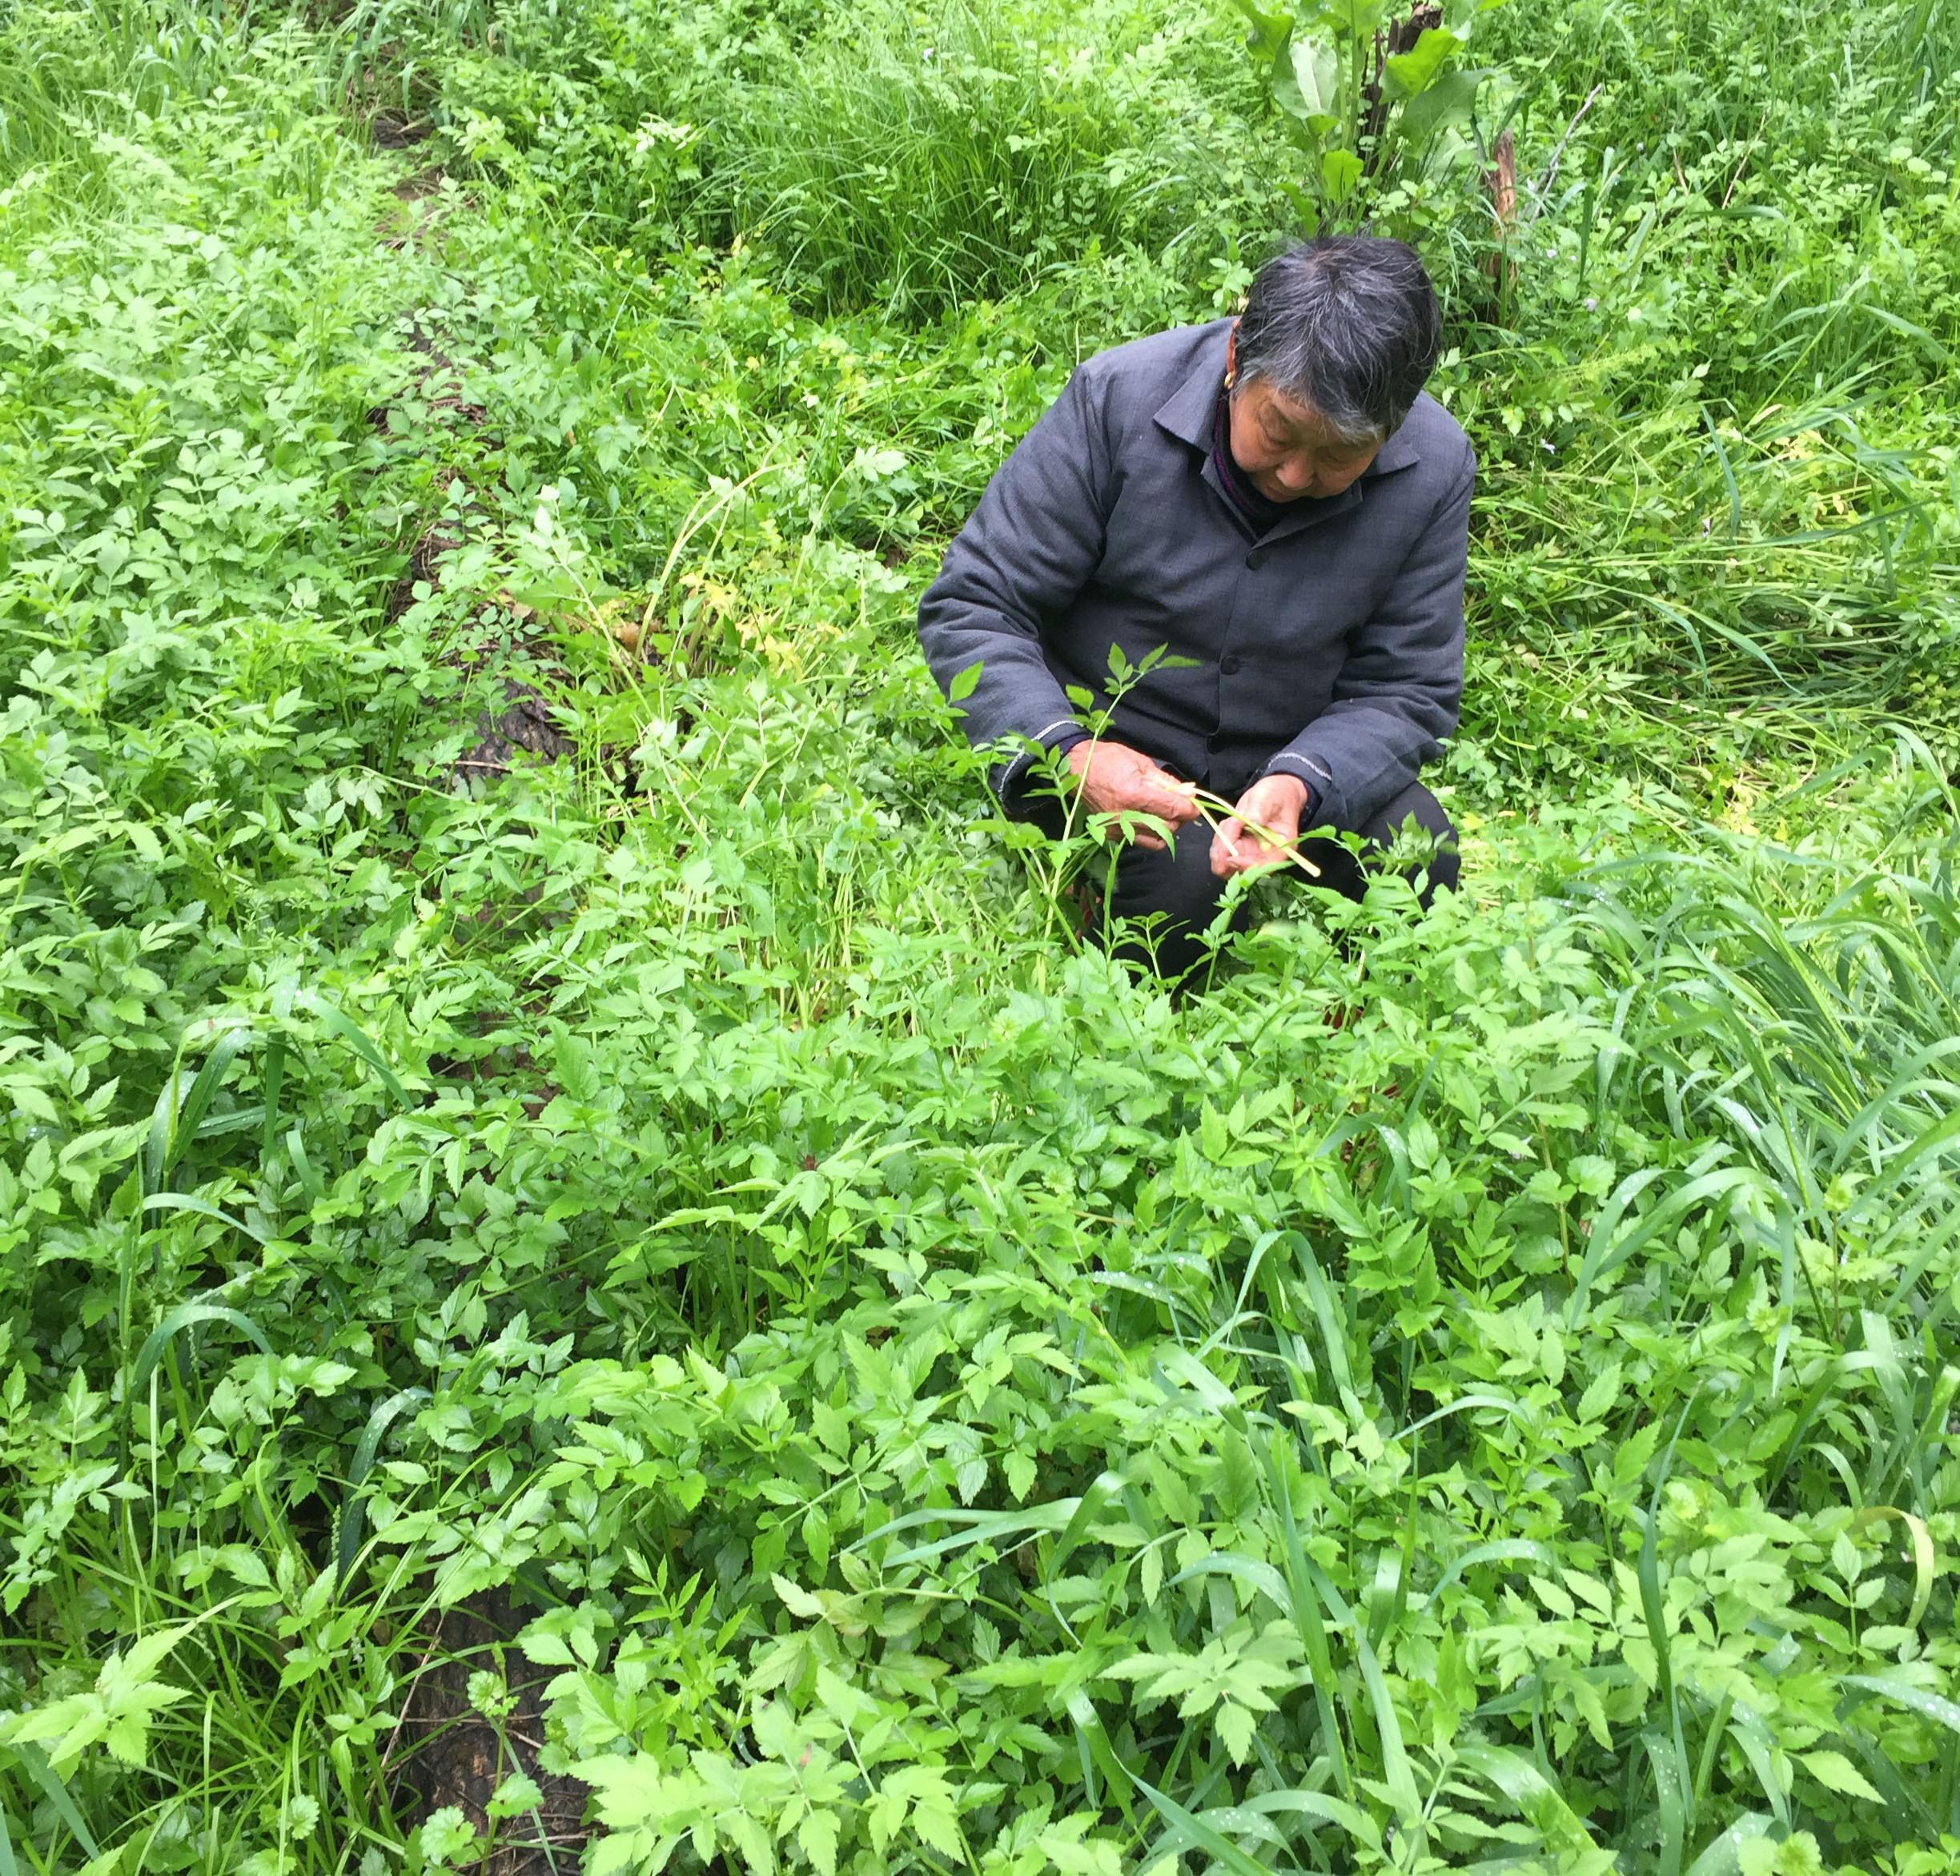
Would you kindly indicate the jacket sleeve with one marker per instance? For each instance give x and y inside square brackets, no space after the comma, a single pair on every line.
[1399,687]
[1024,553]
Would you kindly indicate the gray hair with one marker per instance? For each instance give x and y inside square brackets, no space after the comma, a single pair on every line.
[1347,325]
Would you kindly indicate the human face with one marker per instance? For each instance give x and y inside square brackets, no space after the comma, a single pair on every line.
[1285,449]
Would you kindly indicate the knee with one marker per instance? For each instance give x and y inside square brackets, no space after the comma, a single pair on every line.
[1441,866]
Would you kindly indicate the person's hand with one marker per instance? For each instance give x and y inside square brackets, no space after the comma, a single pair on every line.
[1274,801]
[1116,779]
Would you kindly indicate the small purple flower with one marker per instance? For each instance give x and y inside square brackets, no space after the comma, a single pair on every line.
[1591,305]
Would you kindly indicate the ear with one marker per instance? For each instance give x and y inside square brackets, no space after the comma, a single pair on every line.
[1231,351]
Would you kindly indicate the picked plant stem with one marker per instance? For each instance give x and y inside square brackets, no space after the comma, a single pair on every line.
[1206,801]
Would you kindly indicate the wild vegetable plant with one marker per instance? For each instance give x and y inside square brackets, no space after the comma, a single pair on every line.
[645,1270]
[1377,106]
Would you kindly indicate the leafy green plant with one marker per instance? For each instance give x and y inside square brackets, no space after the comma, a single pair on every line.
[1376,105]
[895,1392]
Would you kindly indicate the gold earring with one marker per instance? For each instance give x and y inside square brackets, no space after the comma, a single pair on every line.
[1229,377]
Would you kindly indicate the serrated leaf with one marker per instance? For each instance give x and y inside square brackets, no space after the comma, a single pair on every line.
[1235,1725]
[797,1600]
[1836,1772]
[818,1833]
[1600,1393]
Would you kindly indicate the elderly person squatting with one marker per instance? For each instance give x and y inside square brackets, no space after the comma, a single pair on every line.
[1273,499]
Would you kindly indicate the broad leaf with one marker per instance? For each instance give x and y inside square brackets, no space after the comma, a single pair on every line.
[1408,74]
[1308,87]
[1446,104]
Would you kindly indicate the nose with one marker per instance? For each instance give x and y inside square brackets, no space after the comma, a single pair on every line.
[1295,473]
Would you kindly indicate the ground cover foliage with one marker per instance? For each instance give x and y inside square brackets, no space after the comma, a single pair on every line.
[589,1276]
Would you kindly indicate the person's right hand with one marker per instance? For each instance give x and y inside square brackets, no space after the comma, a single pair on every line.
[1117,779]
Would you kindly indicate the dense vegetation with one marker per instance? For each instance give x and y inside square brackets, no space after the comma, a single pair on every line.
[585,1261]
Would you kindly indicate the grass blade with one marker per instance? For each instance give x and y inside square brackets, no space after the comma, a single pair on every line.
[1095,1736]
[357,1039]
[1668,1753]
[1396,1772]
[1933,1706]
[1304,1601]
[187,1315]
[1665,1756]
[1724,1854]
[184,1126]
[1333,1331]
[1186,1828]
[1758,1746]
[353,1506]
[1923,1559]
[36,1761]
[272,1081]
[184,1202]
[1505,1550]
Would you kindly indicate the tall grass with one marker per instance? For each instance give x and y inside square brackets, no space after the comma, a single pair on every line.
[74,75]
[905,160]
[916,159]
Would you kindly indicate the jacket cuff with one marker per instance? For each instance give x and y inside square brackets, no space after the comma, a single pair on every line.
[1311,769]
[1008,778]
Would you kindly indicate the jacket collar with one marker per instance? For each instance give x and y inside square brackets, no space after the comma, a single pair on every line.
[1186,412]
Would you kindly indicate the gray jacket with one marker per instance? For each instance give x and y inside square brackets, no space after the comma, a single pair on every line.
[1330,647]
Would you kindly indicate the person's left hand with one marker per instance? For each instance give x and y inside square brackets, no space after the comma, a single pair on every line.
[1274,801]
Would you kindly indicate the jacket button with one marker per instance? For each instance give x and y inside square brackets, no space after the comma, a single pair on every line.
[1256,561]
[1229,664]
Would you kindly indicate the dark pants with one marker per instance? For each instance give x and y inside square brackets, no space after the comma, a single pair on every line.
[1177,883]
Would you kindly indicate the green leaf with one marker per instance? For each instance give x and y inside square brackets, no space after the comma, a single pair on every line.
[1836,1772]
[1339,171]
[1212,1133]
[517,1795]
[116,1712]
[1266,33]
[1447,103]
[818,1836]
[1307,87]
[1354,19]
[1408,74]
[1235,1725]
